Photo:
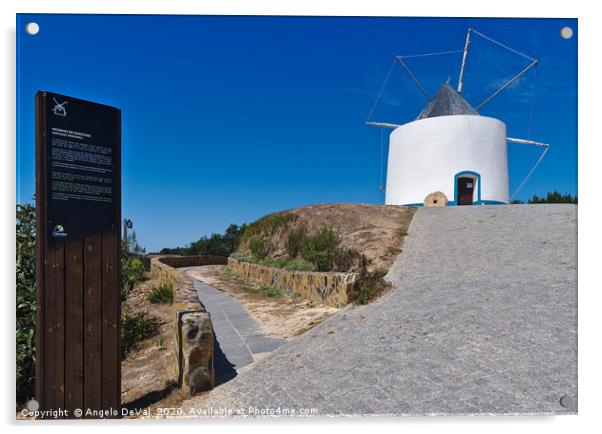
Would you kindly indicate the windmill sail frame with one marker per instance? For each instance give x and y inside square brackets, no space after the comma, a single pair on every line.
[465,51]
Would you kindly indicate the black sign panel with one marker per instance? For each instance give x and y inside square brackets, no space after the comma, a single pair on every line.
[81,140]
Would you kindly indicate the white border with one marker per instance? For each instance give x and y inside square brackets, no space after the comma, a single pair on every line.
[590,145]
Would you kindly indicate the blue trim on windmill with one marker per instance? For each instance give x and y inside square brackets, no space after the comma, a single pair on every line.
[471,174]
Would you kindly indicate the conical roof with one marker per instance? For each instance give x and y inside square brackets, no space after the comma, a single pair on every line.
[447,102]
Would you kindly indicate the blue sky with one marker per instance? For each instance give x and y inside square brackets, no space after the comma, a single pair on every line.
[226,119]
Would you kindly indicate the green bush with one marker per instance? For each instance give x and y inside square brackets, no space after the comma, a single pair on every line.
[136,328]
[349,260]
[259,247]
[288,264]
[299,265]
[162,294]
[26,302]
[370,284]
[294,241]
[132,272]
[320,252]
[321,249]
[272,291]
[242,257]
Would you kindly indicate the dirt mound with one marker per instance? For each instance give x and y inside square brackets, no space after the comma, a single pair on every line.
[377,231]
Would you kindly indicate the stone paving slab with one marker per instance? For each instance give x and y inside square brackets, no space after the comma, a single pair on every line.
[482,319]
[238,335]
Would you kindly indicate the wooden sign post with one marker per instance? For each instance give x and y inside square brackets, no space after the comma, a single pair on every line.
[78,214]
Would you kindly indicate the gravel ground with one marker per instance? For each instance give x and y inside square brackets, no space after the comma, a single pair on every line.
[482,319]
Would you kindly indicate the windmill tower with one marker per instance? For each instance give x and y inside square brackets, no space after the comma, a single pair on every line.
[450,149]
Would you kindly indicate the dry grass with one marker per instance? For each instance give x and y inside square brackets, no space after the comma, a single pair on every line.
[377,231]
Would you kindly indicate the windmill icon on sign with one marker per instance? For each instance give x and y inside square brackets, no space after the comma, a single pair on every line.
[59,108]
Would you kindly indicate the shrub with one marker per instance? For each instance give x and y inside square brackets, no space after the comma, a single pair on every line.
[321,249]
[268,262]
[370,284]
[349,260]
[287,264]
[299,265]
[131,242]
[267,225]
[26,302]
[272,291]
[294,241]
[259,247]
[162,294]
[132,272]
[242,257]
[136,328]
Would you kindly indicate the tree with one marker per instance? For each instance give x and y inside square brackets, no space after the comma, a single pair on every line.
[133,245]
[216,244]
[554,197]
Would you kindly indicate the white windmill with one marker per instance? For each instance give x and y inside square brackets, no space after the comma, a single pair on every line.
[450,148]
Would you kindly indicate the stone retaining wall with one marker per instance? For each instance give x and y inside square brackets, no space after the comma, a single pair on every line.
[331,289]
[193,330]
[193,261]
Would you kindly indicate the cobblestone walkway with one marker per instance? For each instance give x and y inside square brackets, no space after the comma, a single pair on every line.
[239,340]
[482,319]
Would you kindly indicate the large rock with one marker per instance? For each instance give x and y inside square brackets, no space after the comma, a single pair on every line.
[193,331]
[196,348]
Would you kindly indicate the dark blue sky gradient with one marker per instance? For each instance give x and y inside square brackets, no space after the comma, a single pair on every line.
[226,119]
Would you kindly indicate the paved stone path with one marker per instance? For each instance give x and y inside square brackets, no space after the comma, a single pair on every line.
[482,319]
[239,340]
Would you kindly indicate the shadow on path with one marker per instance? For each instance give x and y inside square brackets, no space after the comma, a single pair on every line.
[151,397]
[224,369]
[238,338]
